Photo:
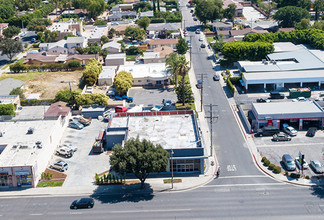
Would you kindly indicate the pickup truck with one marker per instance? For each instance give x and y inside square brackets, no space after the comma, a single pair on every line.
[83,120]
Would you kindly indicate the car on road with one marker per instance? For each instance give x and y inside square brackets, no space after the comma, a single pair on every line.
[262,100]
[216,77]
[317,166]
[311,132]
[297,162]
[202,45]
[300,99]
[76,125]
[64,151]
[197,31]
[195,19]
[59,165]
[288,162]
[191,11]
[201,39]
[289,130]
[82,203]
[199,84]
[281,137]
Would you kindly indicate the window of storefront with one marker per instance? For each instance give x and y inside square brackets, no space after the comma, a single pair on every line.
[4,179]
[186,165]
[23,179]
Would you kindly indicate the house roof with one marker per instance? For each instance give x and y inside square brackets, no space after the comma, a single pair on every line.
[286,29]
[107,72]
[3,25]
[9,84]
[82,56]
[221,24]
[75,40]
[41,57]
[164,51]
[228,2]
[240,32]
[78,11]
[152,70]
[150,55]
[116,56]
[147,14]
[163,42]
[57,109]
[112,44]
[166,26]
[97,32]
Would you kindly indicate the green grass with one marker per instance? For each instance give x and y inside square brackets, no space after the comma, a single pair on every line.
[20,61]
[131,57]
[210,39]
[187,106]
[174,180]
[22,76]
[50,184]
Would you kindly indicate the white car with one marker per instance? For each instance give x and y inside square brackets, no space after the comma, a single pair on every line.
[300,99]
[289,130]
[201,39]
[70,146]
[59,165]
[305,164]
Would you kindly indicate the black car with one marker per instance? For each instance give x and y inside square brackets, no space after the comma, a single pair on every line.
[195,19]
[267,131]
[202,45]
[262,100]
[216,77]
[276,95]
[311,132]
[82,203]
[191,11]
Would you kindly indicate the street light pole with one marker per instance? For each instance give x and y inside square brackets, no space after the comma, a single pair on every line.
[171,168]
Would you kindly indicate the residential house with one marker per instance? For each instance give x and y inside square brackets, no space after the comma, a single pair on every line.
[131,1]
[149,14]
[10,99]
[112,47]
[44,58]
[163,42]
[107,75]
[73,42]
[220,25]
[239,7]
[7,85]
[262,25]
[56,47]
[126,7]
[116,59]
[152,57]
[118,16]
[97,33]
[164,51]
[237,34]
[161,29]
[2,27]
[152,74]
[58,109]
[65,28]
[83,58]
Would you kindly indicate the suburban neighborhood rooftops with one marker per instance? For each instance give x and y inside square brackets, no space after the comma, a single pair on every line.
[286,46]
[153,70]
[112,44]
[97,32]
[7,99]
[74,40]
[60,43]
[57,109]
[20,149]
[164,50]
[9,84]
[82,56]
[163,26]
[308,108]
[171,131]
[116,56]
[108,72]
[147,14]
[150,55]
[163,42]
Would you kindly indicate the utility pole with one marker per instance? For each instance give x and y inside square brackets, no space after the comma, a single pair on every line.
[190,50]
[202,90]
[171,168]
[211,117]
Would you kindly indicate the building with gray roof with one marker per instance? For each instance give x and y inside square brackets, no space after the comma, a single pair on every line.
[7,85]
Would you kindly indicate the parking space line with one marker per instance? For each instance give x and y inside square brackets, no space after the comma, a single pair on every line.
[288,145]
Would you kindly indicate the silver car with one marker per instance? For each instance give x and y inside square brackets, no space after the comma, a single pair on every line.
[317,166]
[59,165]
[289,130]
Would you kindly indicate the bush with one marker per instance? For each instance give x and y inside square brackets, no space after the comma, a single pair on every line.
[33,102]
[277,169]
[74,63]
[235,80]
[263,159]
[7,109]
[271,166]
[307,177]
[17,68]
[173,20]
[266,163]
[157,20]
[230,86]
[295,175]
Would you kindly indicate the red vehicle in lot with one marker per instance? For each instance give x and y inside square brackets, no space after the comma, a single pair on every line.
[120,108]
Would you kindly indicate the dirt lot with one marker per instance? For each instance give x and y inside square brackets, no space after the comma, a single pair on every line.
[48,84]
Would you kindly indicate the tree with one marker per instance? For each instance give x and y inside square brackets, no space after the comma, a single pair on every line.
[303,24]
[134,33]
[104,39]
[7,109]
[218,45]
[143,22]
[11,31]
[290,15]
[140,158]
[318,6]
[182,70]
[6,11]
[111,32]
[94,7]
[318,25]
[229,12]
[142,6]
[36,23]
[172,61]
[99,23]
[182,46]
[18,91]
[69,35]
[91,99]
[74,63]
[306,4]
[66,95]
[91,72]
[268,7]
[10,48]
[188,94]
[208,10]
[132,50]
[123,82]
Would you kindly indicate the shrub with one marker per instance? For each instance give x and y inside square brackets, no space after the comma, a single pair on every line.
[157,20]
[74,63]
[235,80]
[277,169]
[263,159]
[230,86]
[271,166]
[295,175]
[307,177]
[17,68]
[7,109]
[266,163]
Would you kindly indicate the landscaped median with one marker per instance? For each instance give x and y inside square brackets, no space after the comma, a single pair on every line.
[51,178]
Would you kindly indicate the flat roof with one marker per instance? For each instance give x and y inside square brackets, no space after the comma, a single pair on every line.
[108,72]
[15,134]
[171,131]
[97,32]
[285,46]
[153,70]
[302,109]
[31,113]
[116,56]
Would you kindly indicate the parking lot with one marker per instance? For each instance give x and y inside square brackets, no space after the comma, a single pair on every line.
[151,97]
[83,165]
[311,147]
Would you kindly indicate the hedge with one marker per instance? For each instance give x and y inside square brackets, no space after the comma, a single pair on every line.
[295,175]
[277,169]
[32,102]
[157,20]
[235,80]
[171,2]
[266,163]
[263,159]
[54,67]
[230,85]
[173,20]
[271,166]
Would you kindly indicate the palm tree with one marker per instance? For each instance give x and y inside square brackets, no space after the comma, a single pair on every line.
[183,69]
[172,65]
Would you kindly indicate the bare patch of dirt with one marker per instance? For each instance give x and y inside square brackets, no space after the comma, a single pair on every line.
[50,83]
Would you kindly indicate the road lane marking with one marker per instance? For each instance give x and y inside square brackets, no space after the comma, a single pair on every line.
[75,213]
[156,210]
[231,168]
[247,184]
[36,214]
[251,176]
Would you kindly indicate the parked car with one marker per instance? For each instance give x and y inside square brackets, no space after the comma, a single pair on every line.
[288,162]
[70,146]
[118,98]
[276,95]
[85,121]
[300,99]
[82,203]
[167,102]
[311,132]
[199,84]
[216,77]
[281,137]
[128,99]
[305,164]
[76,125]
[191,11]
[195,19]
[202,45]
[262,100]
[197,31]
[317,166]
[59,165]
[201,39]
[64,151]
[30,130]
[111,93]
[289,130]
[267,131]
[120,109]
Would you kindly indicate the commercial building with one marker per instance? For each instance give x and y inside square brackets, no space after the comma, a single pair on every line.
[175,131]
[300,115]
[152,74]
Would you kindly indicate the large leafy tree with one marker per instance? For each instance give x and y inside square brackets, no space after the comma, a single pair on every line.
[298,3]
[66,95]
[18,91]
[140,158]
[182,70]
[142,7]
[208,10]
[123,82]
[290,15]
[10,48]
[229,12]
[143,22]
[172,61]
[11,31]
[6,11]
[7,109]
[36,22]
[95,7]
[318,6]
[188,94]
[182,46]
[134,33]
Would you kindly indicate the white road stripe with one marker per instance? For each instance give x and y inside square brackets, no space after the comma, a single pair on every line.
[251,176]
[287,145]
[156,210]
[75,213]
[247,184]
[36,214]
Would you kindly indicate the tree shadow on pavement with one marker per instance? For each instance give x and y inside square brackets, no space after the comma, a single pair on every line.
[318,191]
[123,193]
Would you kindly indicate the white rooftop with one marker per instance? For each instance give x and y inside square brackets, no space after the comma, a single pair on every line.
[61,26]
[112,44]
[116,56]
[149,55]
[71,40]
[176,131]
[107,72]
[286,46]
[153,70]
[15,134]
[97,32]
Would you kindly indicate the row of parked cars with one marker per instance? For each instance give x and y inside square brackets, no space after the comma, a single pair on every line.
[79,122]
[291,164]
[66,150]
